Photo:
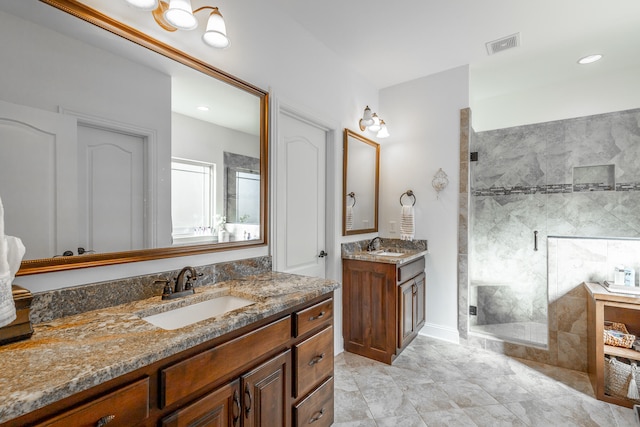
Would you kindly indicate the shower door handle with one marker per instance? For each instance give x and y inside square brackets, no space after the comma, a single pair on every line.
[535,240]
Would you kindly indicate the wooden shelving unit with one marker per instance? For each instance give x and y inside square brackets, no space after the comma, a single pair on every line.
[602,306]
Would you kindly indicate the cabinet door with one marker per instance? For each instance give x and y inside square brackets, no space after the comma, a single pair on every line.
[419,302]
[220,408]
[406,322]
[369,309]
[266,393]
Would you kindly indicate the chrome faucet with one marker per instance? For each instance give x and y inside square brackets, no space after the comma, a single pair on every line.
[374,244]
[183,284]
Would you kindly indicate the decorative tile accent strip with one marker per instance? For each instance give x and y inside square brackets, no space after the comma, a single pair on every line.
[628,186]
[579,188]
[50,305]
[555,188]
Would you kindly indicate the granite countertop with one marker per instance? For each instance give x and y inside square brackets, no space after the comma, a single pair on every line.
[75,353]
[599,292]
[406,256]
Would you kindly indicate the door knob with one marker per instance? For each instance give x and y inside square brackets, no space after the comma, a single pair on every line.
[323,254]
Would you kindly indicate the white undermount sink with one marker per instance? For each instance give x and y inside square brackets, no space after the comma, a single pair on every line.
[387,253]
[184,316]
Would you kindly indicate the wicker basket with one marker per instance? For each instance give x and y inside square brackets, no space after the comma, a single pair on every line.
[616,334]
[620,379]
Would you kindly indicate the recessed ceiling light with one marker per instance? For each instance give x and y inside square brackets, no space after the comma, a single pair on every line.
[203,108]
[589,59]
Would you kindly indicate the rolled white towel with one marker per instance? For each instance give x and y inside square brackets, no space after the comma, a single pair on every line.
[11,253]
[407,223]
[349,218]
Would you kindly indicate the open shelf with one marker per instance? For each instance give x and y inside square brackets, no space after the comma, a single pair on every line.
[621,352]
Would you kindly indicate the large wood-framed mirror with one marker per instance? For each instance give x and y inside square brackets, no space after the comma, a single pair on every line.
[361,173]
[105,157]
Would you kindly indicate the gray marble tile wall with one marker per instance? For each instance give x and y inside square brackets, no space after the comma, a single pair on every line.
[524,182]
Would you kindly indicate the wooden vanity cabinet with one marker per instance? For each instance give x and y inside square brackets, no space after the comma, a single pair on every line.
[383,306]
[266,374]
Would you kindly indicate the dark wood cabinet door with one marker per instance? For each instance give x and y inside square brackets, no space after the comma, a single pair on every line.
[420,302]
[406,320]
[220,408]
[266,393]
[369,309]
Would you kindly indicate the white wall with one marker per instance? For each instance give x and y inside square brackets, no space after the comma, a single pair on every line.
[602,93]
[423,117]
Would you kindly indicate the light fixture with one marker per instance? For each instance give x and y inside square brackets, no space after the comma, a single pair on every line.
[143,4]
[366,119]
[179,15]
[371,122]
[589,59]
[203,108]
[383,132]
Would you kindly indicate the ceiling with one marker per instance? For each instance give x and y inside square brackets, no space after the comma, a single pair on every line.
[391,42]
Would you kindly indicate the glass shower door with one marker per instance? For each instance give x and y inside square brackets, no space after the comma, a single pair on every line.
[508,237]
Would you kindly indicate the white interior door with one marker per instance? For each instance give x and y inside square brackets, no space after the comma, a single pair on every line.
[300,197]
[38,179]
[112,170]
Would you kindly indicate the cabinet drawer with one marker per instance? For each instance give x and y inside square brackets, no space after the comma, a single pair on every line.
[412,269]
[313,361]
[125,406]
[312,317]
[317,408]
[184,378]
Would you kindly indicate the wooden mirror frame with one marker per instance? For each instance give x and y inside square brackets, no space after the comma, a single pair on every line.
[350,134]
[94,17]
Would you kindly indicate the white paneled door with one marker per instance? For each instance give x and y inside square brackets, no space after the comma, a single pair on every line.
[38,179]
[112,188]
[300,197]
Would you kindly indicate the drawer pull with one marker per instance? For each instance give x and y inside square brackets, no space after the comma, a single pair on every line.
[316,359]
[316,416]
[319,316]
[236,409]
[247,401]
[105,420]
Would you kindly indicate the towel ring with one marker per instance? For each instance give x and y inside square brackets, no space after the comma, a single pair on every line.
[408,193]
[353,196]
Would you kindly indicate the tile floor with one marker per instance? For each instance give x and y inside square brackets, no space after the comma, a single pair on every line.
[436,383]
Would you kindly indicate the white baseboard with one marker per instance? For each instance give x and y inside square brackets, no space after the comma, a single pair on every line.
[440,332]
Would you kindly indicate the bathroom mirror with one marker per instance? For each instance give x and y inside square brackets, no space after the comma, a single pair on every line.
[107,154]
[361,172]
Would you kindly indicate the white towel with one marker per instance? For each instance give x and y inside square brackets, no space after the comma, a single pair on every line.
[11,253]
[407,223]
[349,219]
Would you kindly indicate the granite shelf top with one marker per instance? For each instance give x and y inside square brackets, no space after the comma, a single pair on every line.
[74,353]
[405,255]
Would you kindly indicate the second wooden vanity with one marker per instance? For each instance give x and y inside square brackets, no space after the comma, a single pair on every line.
[383,305]
[276,370]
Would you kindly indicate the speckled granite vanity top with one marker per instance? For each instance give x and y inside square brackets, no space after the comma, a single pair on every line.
[406,255]
[74,353]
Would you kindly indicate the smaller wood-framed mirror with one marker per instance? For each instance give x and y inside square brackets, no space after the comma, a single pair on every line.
[361,173]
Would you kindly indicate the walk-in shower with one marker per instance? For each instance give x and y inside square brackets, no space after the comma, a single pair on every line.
[576,177]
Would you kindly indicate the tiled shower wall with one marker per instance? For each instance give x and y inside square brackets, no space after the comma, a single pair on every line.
[576,177]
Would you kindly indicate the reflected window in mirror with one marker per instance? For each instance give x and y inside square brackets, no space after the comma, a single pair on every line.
[192,201]
[361,171]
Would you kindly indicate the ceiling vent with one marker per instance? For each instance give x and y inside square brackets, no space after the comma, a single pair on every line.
[504,43]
